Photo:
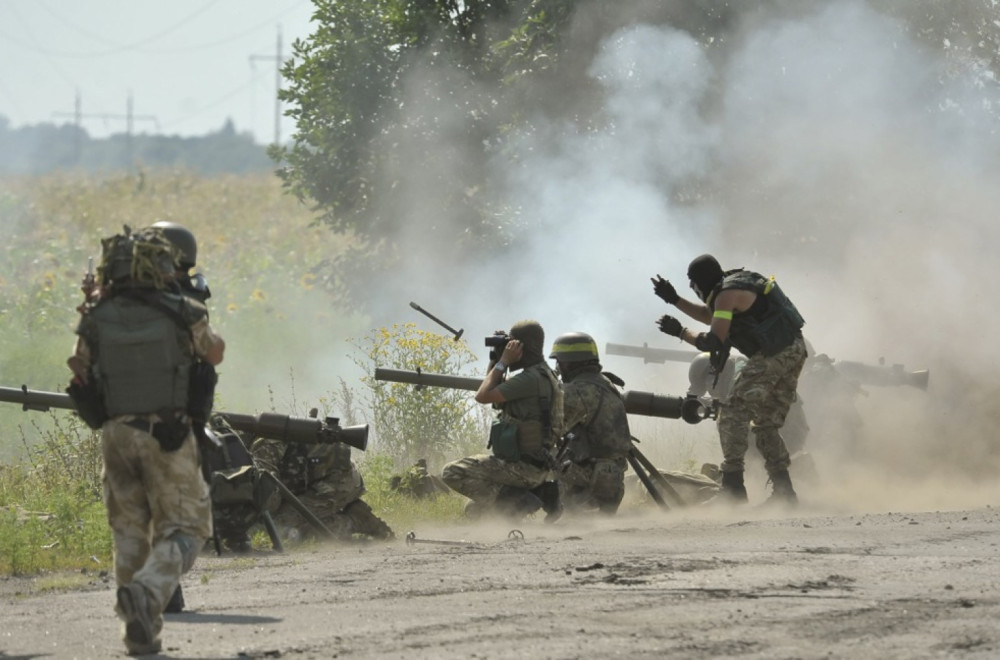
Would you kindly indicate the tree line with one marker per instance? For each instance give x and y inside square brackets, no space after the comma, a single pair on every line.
[48,147]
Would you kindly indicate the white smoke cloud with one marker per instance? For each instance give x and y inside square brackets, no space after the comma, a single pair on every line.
[849,160]
[837,152]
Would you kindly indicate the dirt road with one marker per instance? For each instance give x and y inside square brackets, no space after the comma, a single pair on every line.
[888,585]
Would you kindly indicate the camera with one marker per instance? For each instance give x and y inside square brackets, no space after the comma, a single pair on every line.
[496,343]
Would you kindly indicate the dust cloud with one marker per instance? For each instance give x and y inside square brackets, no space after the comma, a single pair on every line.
[825,146]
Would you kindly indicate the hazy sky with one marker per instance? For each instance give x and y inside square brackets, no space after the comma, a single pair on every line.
[187,63]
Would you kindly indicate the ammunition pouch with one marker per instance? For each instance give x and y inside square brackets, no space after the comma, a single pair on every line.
[531,438]
[170,432]
[235,486]
[88,402]
[503,442]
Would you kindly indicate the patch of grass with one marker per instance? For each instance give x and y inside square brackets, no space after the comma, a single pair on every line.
[51,514]
[63,582]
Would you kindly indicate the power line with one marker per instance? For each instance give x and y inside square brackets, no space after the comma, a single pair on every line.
[130,118]
[277,85]
[137,46]
[208,106]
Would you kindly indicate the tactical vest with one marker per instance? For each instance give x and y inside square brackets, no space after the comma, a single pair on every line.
[771,324]
[537,438]
[142,354]
[606,433]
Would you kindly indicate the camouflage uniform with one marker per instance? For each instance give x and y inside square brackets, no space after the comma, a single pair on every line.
[157,501]
[326,481]
[762,393]
[594,412]
[482,477]
[416,482]
[702,383]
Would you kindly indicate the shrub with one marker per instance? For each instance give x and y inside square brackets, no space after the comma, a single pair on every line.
[409,422]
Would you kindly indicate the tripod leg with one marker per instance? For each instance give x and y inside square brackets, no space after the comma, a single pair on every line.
[644,478]
[663,484]
[300,507]
[272,531]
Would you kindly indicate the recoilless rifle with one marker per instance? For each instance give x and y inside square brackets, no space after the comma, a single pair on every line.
[879,375]
[302,430]
[690,409]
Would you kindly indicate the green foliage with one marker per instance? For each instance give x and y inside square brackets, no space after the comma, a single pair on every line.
[410,423]
[400,511]
[398,106]
[51,514]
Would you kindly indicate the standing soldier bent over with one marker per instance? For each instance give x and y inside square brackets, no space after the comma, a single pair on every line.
[749,311]
[136,348]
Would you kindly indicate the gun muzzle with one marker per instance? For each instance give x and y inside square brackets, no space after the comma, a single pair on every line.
[653,405]
[355,436]
[691,409]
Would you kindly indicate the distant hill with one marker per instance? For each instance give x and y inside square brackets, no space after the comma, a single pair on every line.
[45,148]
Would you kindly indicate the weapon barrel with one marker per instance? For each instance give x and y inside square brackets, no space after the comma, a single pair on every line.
[35,400]
[653,405]
[657,355]
[303,430]
[434,380]
[882,375]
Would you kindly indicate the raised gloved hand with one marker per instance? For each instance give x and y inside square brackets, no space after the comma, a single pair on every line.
[670,326]
[665,290]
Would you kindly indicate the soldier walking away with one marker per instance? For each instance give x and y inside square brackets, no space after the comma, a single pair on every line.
[137,343]
[522,438]
[749,311]
[592,458]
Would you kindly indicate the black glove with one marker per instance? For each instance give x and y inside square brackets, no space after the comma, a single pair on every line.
[670,326]
[665,290]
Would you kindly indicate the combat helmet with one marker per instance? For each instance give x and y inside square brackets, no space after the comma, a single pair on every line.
[574,347]
[183,240]
[141,258]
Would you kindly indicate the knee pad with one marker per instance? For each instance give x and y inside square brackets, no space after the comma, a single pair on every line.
[189,548]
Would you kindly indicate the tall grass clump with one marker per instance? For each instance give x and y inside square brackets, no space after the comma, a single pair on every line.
[51,513]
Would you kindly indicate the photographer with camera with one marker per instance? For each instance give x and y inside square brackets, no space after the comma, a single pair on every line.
[522,439]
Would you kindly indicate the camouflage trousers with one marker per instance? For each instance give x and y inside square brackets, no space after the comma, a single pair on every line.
[335,500]
[158,508]
[759,400]
[481,477]
[599,483]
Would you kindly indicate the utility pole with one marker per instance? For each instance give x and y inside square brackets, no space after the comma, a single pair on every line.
[130,117]
[277,85]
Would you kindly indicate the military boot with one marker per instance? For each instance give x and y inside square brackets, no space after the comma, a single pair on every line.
[176,602]
[782,492]
[732,490]
[548,493]
[516,503]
